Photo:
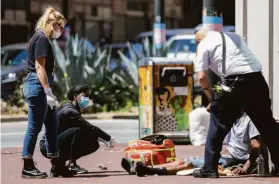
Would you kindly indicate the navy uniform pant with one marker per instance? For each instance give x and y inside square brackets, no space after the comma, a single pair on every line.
[251,94]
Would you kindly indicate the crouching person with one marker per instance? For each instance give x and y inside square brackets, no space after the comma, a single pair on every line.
[76,136]
[243,149]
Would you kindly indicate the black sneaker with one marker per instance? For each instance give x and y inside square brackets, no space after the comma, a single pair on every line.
[77,168]
[30,171]
[201,173]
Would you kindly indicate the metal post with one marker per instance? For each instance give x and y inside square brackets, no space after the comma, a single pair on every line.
[210,18]
[159,27]
[211,21]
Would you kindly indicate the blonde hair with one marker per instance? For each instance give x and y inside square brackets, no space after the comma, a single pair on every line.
[50,15]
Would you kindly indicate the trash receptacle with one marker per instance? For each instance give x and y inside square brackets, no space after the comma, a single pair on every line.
[165,95]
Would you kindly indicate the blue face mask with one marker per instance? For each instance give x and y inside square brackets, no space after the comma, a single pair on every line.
[83,103]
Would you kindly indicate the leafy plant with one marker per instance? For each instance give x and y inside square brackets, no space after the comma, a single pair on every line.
[131,64]
[111,88]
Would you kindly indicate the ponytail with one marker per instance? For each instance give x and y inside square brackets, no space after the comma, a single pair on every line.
[41,24]
[49,15]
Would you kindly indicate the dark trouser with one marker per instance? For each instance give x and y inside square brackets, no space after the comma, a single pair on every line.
[251,94]
[74,143]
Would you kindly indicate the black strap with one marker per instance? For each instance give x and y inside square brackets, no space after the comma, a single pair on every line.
[224,57]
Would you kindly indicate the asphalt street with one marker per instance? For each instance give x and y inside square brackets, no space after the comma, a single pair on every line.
[12,134]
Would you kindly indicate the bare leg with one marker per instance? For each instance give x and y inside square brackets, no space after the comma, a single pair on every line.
[169,169]
[172,170]
[175,163]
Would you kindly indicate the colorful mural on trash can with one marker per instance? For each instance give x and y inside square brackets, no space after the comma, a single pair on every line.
[165,97]
[173,103]
[145,100]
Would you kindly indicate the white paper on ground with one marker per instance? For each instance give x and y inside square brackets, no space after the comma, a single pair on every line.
[186,172]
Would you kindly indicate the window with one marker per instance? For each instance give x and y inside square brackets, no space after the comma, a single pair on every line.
[9,15]
[104,12]
[137,6]
[94,11]
[185,45]
[20,15]
[13,57]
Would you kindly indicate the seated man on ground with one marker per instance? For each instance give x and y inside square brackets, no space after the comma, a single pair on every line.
[76,136]
[243,148]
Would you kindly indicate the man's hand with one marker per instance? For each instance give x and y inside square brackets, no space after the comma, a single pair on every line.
[208,108]
[239,171]
[203,79]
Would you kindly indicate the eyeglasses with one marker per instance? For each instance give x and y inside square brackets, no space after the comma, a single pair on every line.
[61,27]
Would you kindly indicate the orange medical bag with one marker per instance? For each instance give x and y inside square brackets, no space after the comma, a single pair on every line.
[151,150]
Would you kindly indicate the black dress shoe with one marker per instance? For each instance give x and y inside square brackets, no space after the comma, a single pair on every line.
[201,173]
[59,169]
[274,172]
[128,166]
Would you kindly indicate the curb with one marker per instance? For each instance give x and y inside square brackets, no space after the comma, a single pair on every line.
[86,116]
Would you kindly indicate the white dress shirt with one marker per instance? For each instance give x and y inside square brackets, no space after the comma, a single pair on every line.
[239,58]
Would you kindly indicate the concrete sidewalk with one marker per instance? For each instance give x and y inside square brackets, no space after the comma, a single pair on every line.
[11,170]
[108,115]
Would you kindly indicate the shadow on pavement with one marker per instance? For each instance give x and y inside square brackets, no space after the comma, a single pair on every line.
[106,171]
[98,175]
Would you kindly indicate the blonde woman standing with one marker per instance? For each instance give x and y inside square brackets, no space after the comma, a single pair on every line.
[39,96]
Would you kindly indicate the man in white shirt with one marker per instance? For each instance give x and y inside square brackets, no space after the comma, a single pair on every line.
[249,92]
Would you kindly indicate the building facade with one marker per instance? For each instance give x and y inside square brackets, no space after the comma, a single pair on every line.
[262,36]
[112,20]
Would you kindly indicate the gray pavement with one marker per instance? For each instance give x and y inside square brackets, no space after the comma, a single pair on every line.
[12,164]
[12,134]
[123,130]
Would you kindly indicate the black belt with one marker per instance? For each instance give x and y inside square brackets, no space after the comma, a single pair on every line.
[247,75]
